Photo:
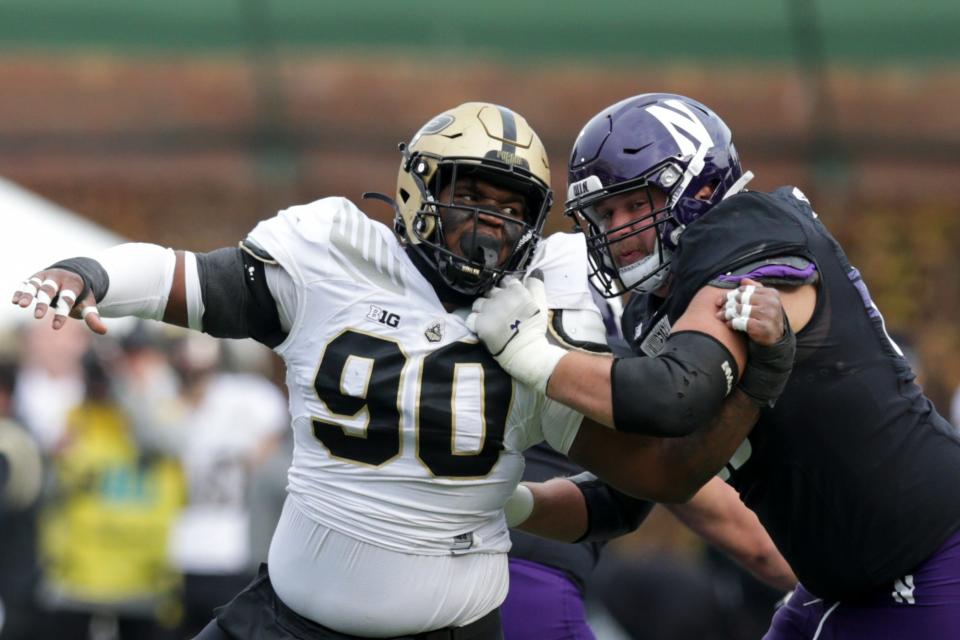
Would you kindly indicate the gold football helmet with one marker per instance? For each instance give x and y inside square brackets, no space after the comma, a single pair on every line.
[474,140]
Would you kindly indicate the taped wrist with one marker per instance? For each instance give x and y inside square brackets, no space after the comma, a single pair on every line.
[675,392]
[769,367]
[94,276]
[610,513]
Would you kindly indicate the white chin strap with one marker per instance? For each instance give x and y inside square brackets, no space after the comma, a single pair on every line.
[739,185]
[637,276]
[646,276]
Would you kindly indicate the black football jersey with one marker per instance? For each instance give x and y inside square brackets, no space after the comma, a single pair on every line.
[853,472]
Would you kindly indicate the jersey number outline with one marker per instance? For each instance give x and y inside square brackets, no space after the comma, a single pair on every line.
[381,362]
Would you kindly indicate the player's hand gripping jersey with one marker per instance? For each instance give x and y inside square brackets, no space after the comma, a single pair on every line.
[853,472]
[408,434]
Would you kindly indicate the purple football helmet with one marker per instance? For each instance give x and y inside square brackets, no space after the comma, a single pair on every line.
[651,141]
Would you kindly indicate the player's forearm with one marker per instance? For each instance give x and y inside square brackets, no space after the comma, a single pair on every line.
[696,458]
[214,292]
[665,469]
[582,381]
[717,515]
[749,545]
[669,396]
[135,279]
[175,311]
[559,511]
[771,568]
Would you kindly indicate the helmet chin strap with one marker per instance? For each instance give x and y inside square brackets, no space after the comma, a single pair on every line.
[739,185]
[649,274]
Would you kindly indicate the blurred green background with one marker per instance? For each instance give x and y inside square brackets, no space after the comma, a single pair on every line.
[880,31]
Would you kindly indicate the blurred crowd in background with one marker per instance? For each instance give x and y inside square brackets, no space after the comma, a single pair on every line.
[146,474]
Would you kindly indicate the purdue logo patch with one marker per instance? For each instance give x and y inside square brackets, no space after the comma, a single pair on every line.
[434,333]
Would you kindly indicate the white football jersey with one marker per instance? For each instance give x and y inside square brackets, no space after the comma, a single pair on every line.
[408,435]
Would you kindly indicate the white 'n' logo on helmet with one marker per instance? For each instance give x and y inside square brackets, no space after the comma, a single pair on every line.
[682,118]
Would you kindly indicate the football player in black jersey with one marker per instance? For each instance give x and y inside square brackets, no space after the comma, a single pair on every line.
[852,470]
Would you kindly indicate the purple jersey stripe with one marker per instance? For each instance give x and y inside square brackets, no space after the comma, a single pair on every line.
[779,271]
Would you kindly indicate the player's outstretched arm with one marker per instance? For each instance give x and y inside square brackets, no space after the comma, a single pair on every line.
[665,470]
[134,279]
[223,293]
[717,515]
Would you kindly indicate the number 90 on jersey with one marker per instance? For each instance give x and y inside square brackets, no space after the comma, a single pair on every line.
[363,372]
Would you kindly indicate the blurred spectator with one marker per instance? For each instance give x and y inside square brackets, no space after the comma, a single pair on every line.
[50,380]
[268,491]
[21,469]
[104,532]
[230,424]
[21,473]
[148,387]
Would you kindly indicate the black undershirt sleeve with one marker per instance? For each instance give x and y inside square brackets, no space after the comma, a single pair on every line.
[237,301]
[610,513]
[676,392]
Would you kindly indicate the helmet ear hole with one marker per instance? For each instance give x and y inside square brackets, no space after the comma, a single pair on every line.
[404,195]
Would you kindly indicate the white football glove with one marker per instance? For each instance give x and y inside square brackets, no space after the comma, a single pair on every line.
[512,322]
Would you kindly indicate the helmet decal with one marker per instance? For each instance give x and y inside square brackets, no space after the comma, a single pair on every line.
[438,124]
[680,117]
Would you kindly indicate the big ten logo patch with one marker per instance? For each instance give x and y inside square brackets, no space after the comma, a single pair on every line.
[383,316]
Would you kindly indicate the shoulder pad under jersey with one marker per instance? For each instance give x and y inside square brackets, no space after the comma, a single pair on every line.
[249,246]
[779,270]
[580,329]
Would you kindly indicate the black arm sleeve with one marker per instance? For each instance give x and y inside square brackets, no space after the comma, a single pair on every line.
[609,513]
[676,392]
[237,302]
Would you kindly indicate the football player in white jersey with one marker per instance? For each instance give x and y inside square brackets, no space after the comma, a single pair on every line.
[408,435]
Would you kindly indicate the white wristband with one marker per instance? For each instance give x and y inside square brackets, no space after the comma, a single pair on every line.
[533,367]
[140,279]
